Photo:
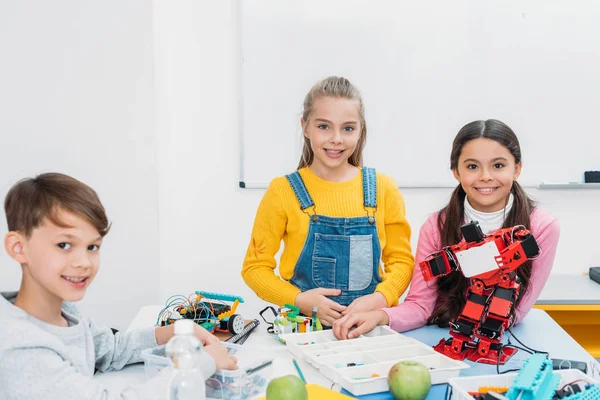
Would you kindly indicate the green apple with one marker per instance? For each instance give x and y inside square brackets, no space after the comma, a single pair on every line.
[288,387]
[409,380]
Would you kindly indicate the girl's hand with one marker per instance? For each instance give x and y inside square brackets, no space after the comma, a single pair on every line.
[328,310]
[223,360]
[362,322]
[369,302]
[205,336]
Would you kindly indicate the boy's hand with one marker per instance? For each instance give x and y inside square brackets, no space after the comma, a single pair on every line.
[363,322]
[205,336]
[223,360]
[328,310]
[368,302]
[164,333]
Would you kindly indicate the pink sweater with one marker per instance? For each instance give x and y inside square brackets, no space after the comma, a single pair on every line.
[420,301]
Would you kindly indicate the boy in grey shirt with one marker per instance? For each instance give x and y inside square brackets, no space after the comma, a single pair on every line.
[48,350]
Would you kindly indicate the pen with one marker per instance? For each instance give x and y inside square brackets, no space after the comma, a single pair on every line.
[259,367]
[299,370]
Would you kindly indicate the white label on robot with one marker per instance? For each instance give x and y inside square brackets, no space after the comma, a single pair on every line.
[478,260]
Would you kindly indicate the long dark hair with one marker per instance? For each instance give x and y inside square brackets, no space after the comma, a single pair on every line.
[452,287]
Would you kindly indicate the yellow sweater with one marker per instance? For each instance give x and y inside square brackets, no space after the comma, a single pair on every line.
[279,217]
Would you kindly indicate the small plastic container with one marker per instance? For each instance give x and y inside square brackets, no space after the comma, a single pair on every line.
[459,388]
[227,385]
[361,365]
[155,360]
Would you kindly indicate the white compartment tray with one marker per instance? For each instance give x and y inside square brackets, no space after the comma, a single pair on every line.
[361,365]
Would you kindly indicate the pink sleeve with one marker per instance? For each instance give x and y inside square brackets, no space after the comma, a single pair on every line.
[420,301]
[546,232]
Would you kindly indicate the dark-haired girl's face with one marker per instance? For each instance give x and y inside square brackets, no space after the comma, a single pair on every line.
[486,171]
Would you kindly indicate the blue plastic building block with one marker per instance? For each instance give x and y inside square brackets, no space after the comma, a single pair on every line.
[219,296]
[535,380]
[209,326]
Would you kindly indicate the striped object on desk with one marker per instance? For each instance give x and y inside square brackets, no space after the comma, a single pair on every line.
[241,337]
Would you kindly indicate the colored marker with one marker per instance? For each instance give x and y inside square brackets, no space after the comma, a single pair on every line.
[299,370]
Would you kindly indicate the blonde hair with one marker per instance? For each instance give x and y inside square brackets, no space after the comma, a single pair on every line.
[333,86]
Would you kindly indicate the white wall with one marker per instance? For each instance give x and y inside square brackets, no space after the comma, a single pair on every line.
[141,99]
[205,219]
[496,59]
[77,97]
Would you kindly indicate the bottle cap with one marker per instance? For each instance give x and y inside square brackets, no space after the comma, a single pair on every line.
[184,327]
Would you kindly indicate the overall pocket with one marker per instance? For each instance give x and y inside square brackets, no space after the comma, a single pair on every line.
[344,262]
[323,272]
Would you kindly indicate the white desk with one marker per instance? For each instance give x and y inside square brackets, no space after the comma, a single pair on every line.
[570,289]
[282,364]
[573,301]
[538,330]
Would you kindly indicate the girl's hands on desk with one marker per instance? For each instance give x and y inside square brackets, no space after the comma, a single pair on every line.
[363,322]
[368,302]
[328,310]
[223,360]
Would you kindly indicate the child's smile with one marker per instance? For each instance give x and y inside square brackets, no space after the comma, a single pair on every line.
[487,190]
[76,281]
[334,153]
[486,171]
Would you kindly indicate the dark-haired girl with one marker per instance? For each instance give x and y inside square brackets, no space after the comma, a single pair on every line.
[486,161]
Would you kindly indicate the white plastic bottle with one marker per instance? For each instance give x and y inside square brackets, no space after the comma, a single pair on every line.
[184,350]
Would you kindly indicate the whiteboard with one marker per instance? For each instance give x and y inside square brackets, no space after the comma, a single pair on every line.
[425,69]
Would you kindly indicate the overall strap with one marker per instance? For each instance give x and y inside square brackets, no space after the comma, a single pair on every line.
[300,191]
[369,187]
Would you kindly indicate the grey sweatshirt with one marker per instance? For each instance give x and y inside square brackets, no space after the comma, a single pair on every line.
[43,361]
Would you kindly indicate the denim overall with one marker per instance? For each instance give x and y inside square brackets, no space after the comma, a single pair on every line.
[339,253]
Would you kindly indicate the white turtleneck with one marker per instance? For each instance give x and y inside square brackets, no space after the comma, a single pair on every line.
[488,221]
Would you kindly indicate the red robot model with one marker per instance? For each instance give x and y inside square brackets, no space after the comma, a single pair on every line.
[490,263]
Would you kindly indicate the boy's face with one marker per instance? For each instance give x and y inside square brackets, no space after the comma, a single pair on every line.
[62,261]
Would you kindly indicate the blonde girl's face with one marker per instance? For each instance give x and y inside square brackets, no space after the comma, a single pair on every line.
[333,129]
[486,171]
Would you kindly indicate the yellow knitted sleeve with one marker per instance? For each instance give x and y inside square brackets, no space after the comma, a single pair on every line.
[396,255]
[258,270]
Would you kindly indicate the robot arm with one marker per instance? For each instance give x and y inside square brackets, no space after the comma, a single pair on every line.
[482,256]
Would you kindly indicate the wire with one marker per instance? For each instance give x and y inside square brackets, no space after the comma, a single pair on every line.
[571,383]
[512,232]
[524,345]
[538,256]
[176,303]
[510,345]
[595,367]
[525,348]
[500,354]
